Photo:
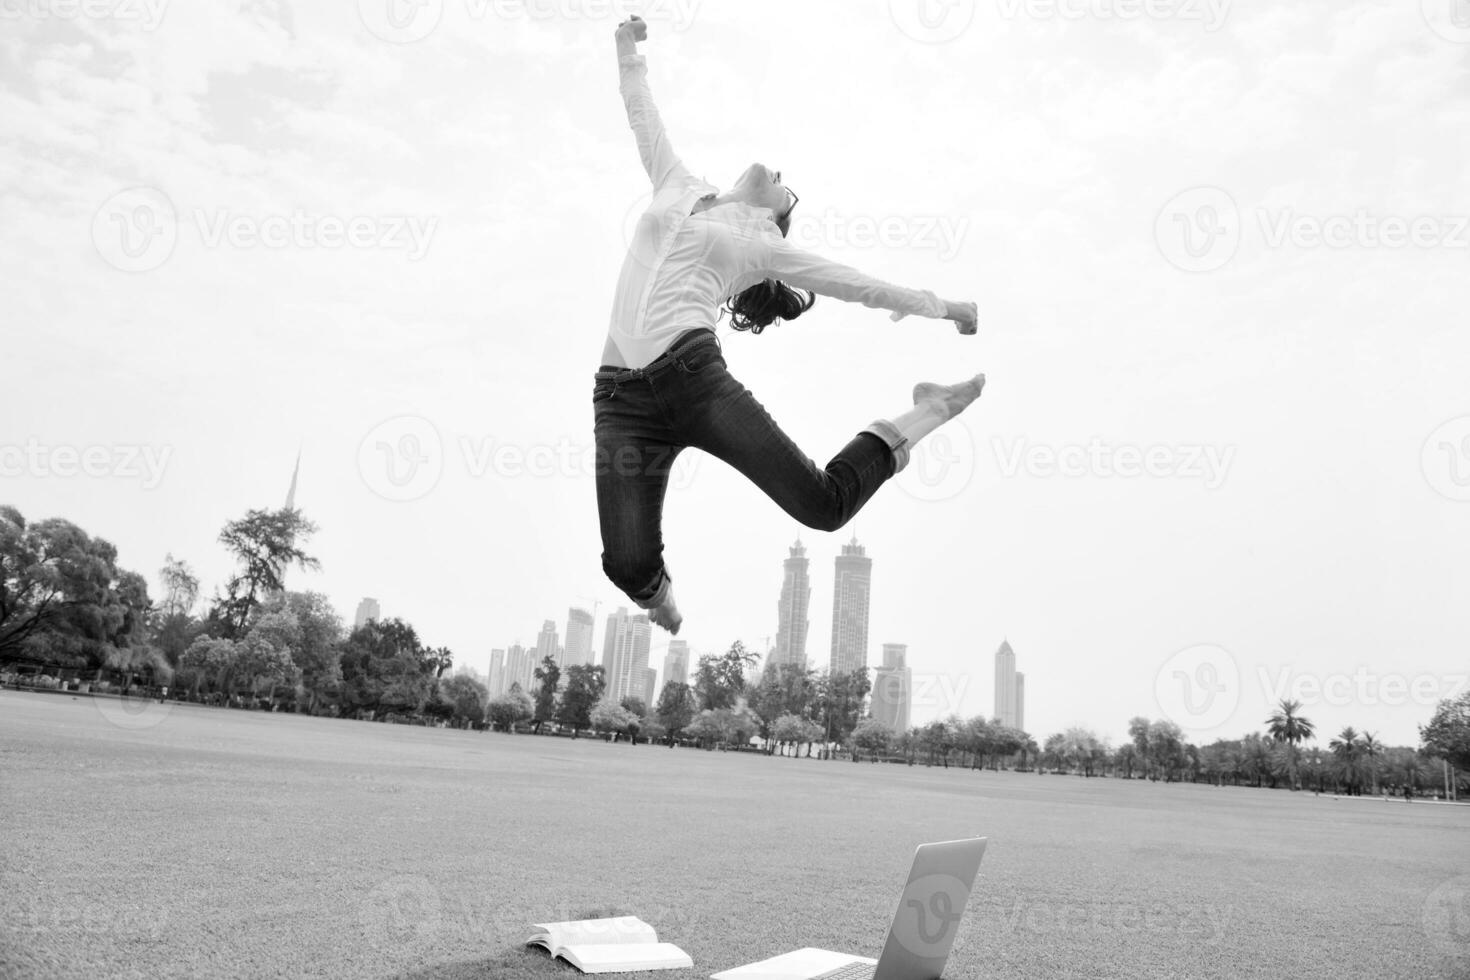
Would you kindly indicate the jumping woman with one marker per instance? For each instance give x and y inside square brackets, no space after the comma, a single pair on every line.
[663,385]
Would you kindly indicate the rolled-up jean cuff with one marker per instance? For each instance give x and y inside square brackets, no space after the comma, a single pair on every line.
[895,440]
[665,583]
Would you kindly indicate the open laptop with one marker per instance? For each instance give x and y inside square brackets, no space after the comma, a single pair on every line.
[923,930]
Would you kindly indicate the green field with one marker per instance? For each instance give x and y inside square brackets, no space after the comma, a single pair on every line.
[203,842]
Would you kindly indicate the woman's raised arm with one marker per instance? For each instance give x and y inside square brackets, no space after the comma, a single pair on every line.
[659,158]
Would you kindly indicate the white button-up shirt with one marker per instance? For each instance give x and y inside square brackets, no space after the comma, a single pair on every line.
[680,267]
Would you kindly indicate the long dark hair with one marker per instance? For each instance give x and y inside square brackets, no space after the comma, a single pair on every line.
[768,301]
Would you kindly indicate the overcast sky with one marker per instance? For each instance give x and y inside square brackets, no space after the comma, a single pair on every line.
[1220,255]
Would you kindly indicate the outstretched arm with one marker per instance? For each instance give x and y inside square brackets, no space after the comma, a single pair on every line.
[807,270]
[654,148]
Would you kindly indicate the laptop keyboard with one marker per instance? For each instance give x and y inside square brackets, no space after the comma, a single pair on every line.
[852,971]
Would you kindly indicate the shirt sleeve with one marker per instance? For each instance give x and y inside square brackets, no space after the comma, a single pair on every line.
[779,259]
[659,159]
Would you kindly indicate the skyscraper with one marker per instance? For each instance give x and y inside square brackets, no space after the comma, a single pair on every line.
[546,643]
[893,688]
[649,691]
[579,638]
[791,609]
[1020,701]
[851,583]
[366,609]
[1009,687]
[676,662]
[625,653]
[497,683]
[518,668]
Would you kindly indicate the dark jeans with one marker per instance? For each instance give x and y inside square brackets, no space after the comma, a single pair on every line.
[644,417]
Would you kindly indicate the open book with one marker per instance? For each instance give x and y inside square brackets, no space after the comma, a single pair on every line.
[621,944]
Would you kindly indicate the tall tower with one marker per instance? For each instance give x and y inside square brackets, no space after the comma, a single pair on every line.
[1020,701]
[290,505]
[1005,685]
[625,653]
[366,609]
[893,688]
[791,609]
[497,683]
[579,638]
[851,583]
[676,662]
[546,642]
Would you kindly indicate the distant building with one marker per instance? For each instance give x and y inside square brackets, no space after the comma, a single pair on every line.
[676,662]
[792,608]
[519,668]
[625,653]
[893,688]
[649,695]
[366,609]
[1010,688]
[547,644]
[851,584]
[497,684]
[579,638]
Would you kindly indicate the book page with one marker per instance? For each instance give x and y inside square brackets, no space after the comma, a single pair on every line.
[617,929]
[792,966]
[626,957]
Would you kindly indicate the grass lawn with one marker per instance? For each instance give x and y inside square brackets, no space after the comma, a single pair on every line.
[228,843]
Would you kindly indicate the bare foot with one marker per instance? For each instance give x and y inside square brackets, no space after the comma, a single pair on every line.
[666,615]
[949,400]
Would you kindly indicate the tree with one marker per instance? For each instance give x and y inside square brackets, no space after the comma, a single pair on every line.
[63,600]
[718,681]
[788,730]
[609,716]
[675,708]
[1346,748]
[548,676]
[634,706]
[180,587]
[264,544]
[1370,749]
[1290,729]
[1447,735]
[872,737]
[585,684]
[508,709]
[385,667]
[207,662]
[839,702]
[318,650]
[704,728]
[467,697]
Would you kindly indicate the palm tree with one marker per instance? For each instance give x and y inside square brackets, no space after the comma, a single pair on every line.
[1347,748]
[1371,749]
[1290,728]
